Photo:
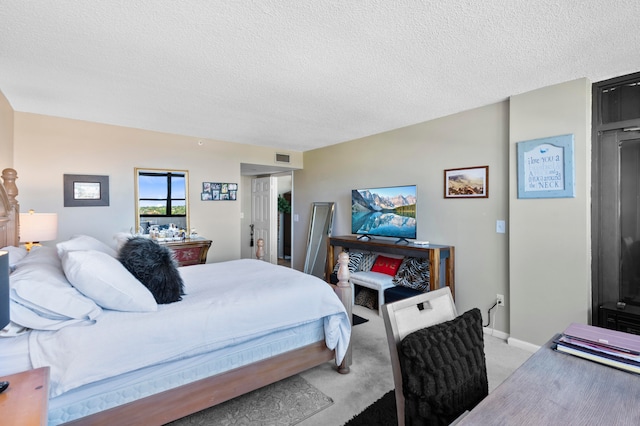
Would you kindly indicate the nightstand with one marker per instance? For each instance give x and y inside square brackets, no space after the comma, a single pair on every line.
[25,402]
[190,251]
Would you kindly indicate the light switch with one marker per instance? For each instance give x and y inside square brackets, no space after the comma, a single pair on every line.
[296,218]
[500,226]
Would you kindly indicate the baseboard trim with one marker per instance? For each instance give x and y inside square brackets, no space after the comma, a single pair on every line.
[495,333]
[529,347]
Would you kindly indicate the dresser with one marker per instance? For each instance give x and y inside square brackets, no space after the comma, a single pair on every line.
[190,251]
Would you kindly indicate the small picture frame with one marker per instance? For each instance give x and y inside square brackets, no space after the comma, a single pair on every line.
[467,182]
[86,190]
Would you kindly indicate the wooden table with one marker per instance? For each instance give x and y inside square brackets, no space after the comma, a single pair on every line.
[553,388]
[25,402]
[441,257]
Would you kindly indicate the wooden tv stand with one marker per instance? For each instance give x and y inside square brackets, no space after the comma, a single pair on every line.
[441,257]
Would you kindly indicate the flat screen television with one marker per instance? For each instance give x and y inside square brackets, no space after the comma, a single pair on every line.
[384,212]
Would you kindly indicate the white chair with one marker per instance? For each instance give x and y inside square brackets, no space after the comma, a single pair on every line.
[439,354]
[408,315]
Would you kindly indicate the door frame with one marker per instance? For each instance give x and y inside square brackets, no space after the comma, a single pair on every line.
[247,209]
[601,212]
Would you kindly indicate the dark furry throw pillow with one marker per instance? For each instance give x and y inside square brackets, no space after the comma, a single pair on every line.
[154,266]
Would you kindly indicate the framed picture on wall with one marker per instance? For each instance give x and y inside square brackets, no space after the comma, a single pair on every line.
[467,182]
[86,190]
[219,191]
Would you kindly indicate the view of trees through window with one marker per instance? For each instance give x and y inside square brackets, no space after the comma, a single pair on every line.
[161,194]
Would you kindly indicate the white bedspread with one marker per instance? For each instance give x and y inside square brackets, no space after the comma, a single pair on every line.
[226,303]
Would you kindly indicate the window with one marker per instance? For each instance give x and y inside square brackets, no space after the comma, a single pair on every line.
[161,198]
[162,194]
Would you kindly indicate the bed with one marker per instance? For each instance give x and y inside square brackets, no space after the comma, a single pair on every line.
[239,325]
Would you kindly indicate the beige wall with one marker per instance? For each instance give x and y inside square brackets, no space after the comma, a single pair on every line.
[47,147]
[419,155]
[6,133]
[542,264]
[542,268]
[550,241]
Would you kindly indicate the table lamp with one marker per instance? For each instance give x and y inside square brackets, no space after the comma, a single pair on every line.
[37,227]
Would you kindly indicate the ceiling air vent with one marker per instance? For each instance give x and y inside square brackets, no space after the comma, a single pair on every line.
[283,158]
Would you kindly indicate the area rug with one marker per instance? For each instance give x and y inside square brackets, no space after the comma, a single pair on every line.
[380,413]
[283,403]
[358,319]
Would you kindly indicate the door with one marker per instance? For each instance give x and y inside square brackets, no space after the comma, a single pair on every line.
[264,215]
[617,218]
[630,220]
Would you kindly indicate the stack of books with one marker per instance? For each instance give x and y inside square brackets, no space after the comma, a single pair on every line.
[608,347]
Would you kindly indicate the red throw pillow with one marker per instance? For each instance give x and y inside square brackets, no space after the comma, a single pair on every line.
[386,265]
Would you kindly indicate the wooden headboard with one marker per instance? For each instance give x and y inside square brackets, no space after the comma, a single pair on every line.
[9,209]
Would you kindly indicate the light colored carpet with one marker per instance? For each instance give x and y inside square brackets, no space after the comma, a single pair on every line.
[284,403]
[370,378]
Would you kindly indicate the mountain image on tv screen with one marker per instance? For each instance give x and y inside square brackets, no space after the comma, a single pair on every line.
[385,212]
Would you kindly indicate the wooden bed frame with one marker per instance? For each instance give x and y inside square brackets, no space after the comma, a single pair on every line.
[179,402]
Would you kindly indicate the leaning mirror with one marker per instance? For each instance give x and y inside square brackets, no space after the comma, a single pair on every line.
[319,231]
[161,199]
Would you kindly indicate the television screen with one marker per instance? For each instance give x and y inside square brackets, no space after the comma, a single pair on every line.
[384,212]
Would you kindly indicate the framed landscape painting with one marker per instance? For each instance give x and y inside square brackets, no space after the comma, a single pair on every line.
[469,182]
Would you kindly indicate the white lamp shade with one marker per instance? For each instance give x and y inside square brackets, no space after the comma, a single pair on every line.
[36,227]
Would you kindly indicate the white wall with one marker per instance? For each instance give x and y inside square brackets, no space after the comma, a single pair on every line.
[46,148]
[6,133]
[550,241]
[419,155]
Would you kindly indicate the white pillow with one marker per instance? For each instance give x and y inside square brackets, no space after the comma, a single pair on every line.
[121,238]
[16,254]
[107,282]
[84,242]
[40,255]
[377,279]
[41,296]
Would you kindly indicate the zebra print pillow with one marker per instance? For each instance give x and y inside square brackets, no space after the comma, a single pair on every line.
[354,262]
[413,273]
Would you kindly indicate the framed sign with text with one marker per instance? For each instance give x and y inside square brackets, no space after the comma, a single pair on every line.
[546,168]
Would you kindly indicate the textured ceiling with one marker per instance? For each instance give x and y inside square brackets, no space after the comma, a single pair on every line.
[297,75]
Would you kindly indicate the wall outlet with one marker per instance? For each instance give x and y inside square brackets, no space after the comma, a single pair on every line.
[500,299]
